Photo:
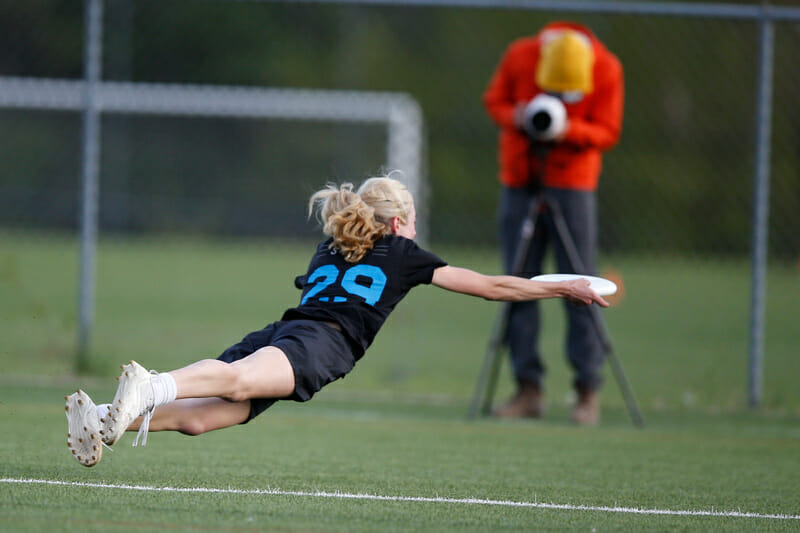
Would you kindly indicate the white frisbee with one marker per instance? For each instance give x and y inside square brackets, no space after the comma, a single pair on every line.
[602,286]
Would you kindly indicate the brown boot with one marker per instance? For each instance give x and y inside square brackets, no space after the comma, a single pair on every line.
[587,410]
[526,403]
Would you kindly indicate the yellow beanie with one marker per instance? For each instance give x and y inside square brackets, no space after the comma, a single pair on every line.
[566,63]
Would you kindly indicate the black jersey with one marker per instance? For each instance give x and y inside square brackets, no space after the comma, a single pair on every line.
[360,296]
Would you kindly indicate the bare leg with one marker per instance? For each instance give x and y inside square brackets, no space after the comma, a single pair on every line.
[266,373]
[193,416]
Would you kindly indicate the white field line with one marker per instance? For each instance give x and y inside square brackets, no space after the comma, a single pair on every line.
[416,499]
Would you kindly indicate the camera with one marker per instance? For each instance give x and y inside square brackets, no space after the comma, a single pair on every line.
[545,118]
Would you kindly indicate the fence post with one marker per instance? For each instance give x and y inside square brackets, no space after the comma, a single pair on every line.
[93,20]
[761,207]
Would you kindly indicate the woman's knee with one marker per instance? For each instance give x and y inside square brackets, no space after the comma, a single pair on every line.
[193,427]
[241,386]
[182,416]
[266,373]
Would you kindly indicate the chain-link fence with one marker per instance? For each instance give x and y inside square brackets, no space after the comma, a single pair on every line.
[680,182]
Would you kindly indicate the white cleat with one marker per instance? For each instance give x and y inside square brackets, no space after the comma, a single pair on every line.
[84,436]
[129,402]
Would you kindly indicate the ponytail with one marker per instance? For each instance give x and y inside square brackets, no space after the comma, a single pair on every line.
[357,219]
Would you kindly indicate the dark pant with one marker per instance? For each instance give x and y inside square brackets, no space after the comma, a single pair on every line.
[583,346]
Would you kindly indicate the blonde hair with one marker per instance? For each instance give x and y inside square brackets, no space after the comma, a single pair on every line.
[357,219]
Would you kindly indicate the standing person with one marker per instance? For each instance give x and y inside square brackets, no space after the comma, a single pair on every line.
[354,280]
[557,97]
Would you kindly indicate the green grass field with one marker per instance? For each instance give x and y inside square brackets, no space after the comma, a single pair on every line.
[389,448]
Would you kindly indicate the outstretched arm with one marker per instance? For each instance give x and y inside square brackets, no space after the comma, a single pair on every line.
[513,288]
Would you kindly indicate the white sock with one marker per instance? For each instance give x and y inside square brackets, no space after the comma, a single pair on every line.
[159,390]
[164,389]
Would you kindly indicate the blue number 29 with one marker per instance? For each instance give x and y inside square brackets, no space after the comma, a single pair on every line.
[324,276]
[328,274]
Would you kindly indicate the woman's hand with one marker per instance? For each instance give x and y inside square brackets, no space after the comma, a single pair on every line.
[579,293]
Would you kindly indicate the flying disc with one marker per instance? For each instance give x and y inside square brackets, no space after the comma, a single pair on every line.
[602,286]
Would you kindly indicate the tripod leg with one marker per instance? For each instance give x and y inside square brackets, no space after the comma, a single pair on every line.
[597,320]
[616,368]
[484,388]
[486,408]
[487,380]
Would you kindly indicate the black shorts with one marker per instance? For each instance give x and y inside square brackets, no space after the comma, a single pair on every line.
[317,351]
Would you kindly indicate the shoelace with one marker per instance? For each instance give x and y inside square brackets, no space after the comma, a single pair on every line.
[144,427]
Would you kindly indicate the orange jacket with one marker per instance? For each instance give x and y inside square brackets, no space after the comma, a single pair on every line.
[595,122]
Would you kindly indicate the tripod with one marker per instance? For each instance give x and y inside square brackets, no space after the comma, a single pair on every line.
[487,380]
